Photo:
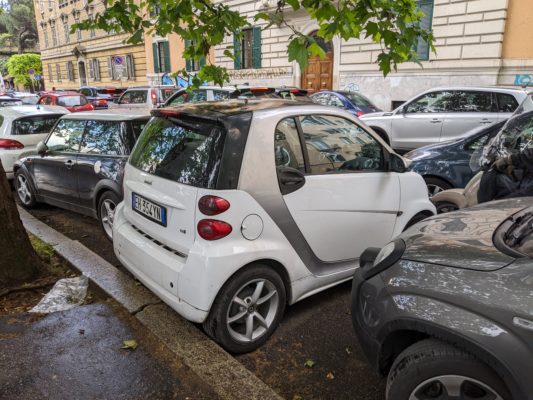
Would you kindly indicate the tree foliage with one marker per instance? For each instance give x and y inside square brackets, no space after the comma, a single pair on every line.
[394,24]
[17,25]
[18,66]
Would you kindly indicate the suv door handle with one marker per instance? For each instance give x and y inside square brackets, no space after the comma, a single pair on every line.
[69,164]
[435,121]
[290,179]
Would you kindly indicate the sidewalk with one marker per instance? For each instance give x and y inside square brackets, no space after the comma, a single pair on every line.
[218,370]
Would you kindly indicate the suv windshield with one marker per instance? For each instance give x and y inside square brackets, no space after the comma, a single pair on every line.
[184,151]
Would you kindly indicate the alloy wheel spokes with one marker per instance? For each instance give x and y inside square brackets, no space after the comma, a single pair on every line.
[453,387]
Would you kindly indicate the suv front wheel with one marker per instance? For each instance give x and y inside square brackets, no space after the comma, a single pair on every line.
[431,369]
[24,190]
[247,309]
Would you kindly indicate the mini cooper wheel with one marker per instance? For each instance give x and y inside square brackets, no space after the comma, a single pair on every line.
[247,309]
[106,212]
[431,369]
[24,190]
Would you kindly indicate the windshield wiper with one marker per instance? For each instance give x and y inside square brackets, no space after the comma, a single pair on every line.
[521,228]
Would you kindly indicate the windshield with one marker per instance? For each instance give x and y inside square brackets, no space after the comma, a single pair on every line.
[184,152]
[71,101]
[359,99]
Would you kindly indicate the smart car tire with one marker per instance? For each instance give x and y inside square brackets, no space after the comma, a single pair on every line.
[24,190]
[431,369]
[247,310]
[106,212]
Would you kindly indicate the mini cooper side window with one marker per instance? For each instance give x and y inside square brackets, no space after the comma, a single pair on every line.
[106,138]
[66,136]
[335,144]
[287,148]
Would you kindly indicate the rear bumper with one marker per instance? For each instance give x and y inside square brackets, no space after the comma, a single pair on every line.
[8,158]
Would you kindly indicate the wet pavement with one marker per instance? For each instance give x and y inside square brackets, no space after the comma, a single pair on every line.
[317,329]
[77,354]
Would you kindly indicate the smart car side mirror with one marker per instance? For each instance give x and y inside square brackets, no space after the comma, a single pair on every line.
[42,148]
[398,163]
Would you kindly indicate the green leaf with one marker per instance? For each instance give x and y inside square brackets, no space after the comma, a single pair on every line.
[129,344]
[295,4]
[309,364]
[297,51]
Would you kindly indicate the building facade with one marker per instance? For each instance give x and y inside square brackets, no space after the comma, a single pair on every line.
[84,57]
[478,42]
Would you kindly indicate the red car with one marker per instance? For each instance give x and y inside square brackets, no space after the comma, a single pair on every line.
[72,101]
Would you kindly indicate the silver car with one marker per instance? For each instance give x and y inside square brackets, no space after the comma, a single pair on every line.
[442,114]
[145,96]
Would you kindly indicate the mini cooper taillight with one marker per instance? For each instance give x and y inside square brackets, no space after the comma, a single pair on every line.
[9,144]
[211,229]
[212,205]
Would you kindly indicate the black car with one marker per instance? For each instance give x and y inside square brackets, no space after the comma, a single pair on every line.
[80,164]
[446,309]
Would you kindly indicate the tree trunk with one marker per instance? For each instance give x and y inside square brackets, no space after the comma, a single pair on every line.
[18,261]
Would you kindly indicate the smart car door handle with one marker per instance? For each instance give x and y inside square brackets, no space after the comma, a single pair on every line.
[485,121]
[69,164]
[436,121]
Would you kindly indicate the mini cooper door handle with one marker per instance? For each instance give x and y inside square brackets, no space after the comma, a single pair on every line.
[69,164]
[435,121]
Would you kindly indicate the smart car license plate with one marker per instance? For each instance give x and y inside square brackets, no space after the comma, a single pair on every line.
[146,208]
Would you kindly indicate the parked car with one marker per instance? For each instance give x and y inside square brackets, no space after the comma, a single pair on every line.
[352,102]
[7,101]
[146,96]
[203,93]
[72,101]
[24,97]
[80,164]
[228,216]
[274,92]
[21,128]
[98,96]
[446,165]
[443,114]
[446,309]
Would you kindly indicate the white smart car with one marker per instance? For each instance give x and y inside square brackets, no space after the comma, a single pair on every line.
[21,128]
[233,210]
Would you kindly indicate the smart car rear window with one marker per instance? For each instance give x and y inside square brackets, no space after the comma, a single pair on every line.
[187,152]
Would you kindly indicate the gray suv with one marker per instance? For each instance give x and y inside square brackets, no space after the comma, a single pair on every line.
[442,114]
[446,309]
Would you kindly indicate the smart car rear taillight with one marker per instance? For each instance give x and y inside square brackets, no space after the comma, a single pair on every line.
[213,205]
[9,144]
[211,229]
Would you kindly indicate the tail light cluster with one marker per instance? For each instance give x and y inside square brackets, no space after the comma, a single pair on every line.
[359,113]
[153,96]
[9,144]
[213,229]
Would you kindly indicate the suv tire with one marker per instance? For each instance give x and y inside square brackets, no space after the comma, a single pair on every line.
[428,368]
[106,212]
[247,310]
[24,190]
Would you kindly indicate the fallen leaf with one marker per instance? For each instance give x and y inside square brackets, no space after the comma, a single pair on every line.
[309,364]
[297,397]
[348,351]
[129,344]
[330,376]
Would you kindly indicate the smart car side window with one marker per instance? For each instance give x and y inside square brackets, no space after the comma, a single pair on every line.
[66,136]
[434,102]
[287,147]
[336,144]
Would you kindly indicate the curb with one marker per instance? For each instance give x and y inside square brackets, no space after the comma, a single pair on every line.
[228,378]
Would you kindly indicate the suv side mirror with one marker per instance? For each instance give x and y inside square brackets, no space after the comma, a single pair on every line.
[398,163]
[42,148]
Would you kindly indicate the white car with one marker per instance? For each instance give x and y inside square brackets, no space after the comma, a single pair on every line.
[21,128]
[443,114]
[234,209]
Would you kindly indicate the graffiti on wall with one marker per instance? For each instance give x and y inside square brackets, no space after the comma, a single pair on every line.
[523,79]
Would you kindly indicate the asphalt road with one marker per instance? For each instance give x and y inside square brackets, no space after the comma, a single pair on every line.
[317,329]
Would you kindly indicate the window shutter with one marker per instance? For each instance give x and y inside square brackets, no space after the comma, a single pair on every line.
[91,69]
[130,67]
[422,49]
[166,55]
[110,68]
[237,52]
[156,57]
[96,69]
[188,61]
[202,62]
[256,47]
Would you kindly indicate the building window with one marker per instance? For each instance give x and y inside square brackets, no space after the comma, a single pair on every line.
[111,69]
[248,49]
[94,69]
[45,33]
[54,36]
[50,76]
[66,30]
[193,65]
[50,5]
[422,48]
[161,53]
[62,3]
[155,12]
[58,73]
[78,31]
[70,71]
[130,67]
